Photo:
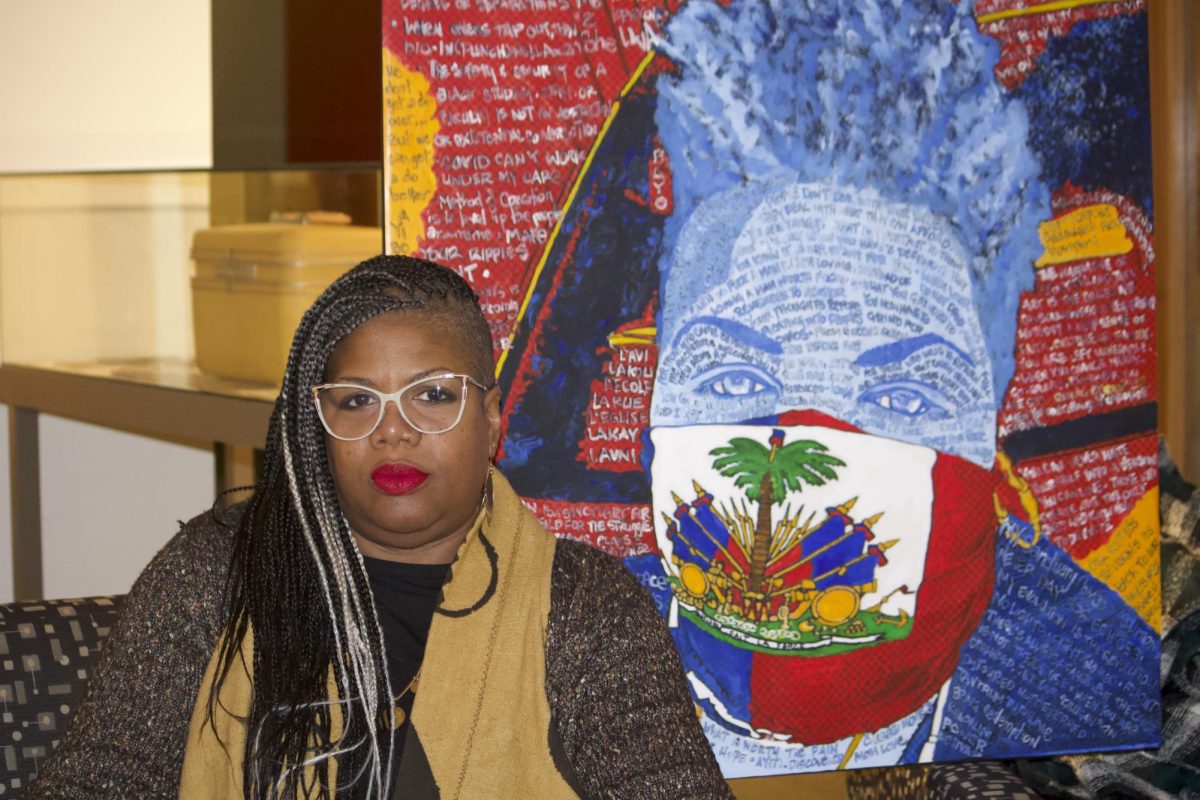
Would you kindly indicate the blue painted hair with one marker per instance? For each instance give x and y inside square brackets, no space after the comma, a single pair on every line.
[897,96]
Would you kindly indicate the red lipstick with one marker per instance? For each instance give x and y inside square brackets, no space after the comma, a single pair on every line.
[397,479]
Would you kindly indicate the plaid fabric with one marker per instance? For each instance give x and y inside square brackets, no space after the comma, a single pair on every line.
[47,649]
[1179,503]
[1173,770]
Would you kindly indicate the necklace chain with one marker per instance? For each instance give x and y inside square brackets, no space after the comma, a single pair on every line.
[398,715]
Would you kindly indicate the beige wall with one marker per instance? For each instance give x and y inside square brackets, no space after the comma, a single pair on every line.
[110,500]
[119,84]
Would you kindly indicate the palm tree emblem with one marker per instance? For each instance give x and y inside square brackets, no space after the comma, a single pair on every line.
[800,580]
[766,473]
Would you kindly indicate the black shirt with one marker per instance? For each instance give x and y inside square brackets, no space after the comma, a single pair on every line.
[405,597]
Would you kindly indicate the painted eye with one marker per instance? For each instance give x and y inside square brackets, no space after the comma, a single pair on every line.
[742,381]
[909,399]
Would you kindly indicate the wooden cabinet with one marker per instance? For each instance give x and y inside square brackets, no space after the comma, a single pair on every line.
[1175,112]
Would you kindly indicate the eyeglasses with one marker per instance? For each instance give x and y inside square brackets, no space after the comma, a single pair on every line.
[429,405]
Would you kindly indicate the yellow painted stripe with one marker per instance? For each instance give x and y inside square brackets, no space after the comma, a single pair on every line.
[1129,561]
[633,336]
[587,163]
[1041,8]
[858,737]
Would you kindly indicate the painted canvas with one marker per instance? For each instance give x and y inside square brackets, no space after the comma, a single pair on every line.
[834,320]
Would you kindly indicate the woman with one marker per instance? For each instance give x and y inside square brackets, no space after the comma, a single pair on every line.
[383,617]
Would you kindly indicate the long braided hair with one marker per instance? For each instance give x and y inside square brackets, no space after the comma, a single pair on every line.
[296,577]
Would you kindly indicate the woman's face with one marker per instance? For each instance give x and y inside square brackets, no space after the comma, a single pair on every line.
[393,512]
[840,302]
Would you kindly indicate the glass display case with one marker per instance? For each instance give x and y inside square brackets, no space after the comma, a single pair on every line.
[94,287]
[96,312]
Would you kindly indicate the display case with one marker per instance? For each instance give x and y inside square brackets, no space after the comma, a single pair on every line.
[96,313]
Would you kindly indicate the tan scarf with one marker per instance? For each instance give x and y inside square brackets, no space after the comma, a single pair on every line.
[481,719]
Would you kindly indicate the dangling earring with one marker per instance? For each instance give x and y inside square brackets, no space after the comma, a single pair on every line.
[488,491]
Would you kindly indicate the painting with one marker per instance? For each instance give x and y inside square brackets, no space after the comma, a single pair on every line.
[835,321]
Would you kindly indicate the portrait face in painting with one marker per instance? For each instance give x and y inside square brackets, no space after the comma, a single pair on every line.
[795,297]
[833,300]
[837,322]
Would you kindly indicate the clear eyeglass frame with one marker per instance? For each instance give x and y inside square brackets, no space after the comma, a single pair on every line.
[395,397]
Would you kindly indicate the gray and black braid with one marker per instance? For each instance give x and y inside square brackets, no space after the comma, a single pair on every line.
[297,577]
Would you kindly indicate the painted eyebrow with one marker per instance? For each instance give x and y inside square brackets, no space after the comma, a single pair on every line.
[894,352]
[734,330]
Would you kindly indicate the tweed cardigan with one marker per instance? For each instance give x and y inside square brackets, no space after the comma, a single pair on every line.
[617,693]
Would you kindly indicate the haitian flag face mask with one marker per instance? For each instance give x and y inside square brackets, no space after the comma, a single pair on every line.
[823,579]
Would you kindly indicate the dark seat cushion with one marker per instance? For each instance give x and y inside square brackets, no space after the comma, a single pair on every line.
[47,650]
[979,780]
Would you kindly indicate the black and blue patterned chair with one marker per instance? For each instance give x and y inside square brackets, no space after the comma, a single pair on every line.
[47,650]
[982,780]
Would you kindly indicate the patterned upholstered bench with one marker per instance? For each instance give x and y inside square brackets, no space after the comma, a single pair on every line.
[982,780]
[47,650]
